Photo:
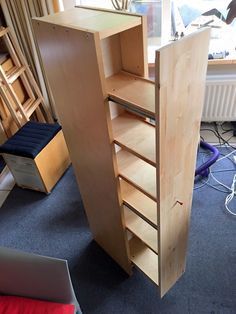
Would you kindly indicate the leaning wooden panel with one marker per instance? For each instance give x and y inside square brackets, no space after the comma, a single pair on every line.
[70,60]
[180,75]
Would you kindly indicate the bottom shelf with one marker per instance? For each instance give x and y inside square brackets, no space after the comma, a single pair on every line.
[141,229]
[144,258]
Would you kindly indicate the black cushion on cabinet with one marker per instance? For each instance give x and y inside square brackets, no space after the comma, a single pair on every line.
[30,139]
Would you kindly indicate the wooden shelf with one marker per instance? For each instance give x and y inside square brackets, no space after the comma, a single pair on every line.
[137,172]
[144,258]
[136,136]
[132,91]
[139,203]
[141,229]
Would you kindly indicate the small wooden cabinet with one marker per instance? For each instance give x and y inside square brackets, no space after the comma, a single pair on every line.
[132,142]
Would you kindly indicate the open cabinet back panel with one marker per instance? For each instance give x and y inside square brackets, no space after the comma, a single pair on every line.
[111,55]
[134,58]
[118,53]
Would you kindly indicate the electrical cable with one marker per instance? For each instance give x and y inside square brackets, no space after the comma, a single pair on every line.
[215,188]
[231,191]
[224,170]
[230,197]
[224,130]
[220,183]
[215,179]
[210,130]
[226,156]
[219,137]
[204,183]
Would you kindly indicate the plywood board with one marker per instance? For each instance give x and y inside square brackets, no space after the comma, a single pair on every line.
[56,151]
[135,92]
[137,172]
[136,136]
[140,228]
[139,202]
[144,258]
[180,81]
[111,55]
[131,40]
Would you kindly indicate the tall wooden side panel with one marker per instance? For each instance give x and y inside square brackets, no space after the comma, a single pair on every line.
[71,60]
[180,74]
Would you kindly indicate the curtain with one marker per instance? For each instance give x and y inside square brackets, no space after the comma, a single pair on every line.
[18,14]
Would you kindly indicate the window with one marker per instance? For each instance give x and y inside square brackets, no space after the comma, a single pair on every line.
[166,17]
[212,13]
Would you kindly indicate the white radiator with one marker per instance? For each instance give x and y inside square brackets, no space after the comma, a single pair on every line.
[220,98]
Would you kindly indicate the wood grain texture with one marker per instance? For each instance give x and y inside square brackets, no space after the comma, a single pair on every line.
[111,55]
[132,40]
[135,135]
[118,52]
[140,228]
[180,82]
[139,203]
[137,172]
[135,92]
[106,23]
[3,135]
[72,60]
[144,258]
[27,77]
[10,118]
[52,161]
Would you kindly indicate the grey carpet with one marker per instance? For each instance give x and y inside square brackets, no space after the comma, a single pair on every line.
[56,225]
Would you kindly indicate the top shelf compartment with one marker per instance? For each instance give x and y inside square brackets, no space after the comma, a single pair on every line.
[106,23]
[133,92]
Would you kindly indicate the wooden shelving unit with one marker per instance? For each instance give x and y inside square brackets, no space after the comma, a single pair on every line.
[132,142]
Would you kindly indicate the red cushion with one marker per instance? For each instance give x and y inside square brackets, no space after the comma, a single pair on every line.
[19,305]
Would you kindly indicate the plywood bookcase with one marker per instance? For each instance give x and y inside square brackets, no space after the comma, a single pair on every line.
[132,142]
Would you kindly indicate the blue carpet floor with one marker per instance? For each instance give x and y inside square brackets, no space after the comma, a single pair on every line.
[56,225]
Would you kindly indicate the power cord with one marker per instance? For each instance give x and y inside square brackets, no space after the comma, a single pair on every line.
[225,141]
[230,197]
[231,189]
[222,141]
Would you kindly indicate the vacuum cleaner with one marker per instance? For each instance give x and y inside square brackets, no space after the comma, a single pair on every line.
[203,170]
